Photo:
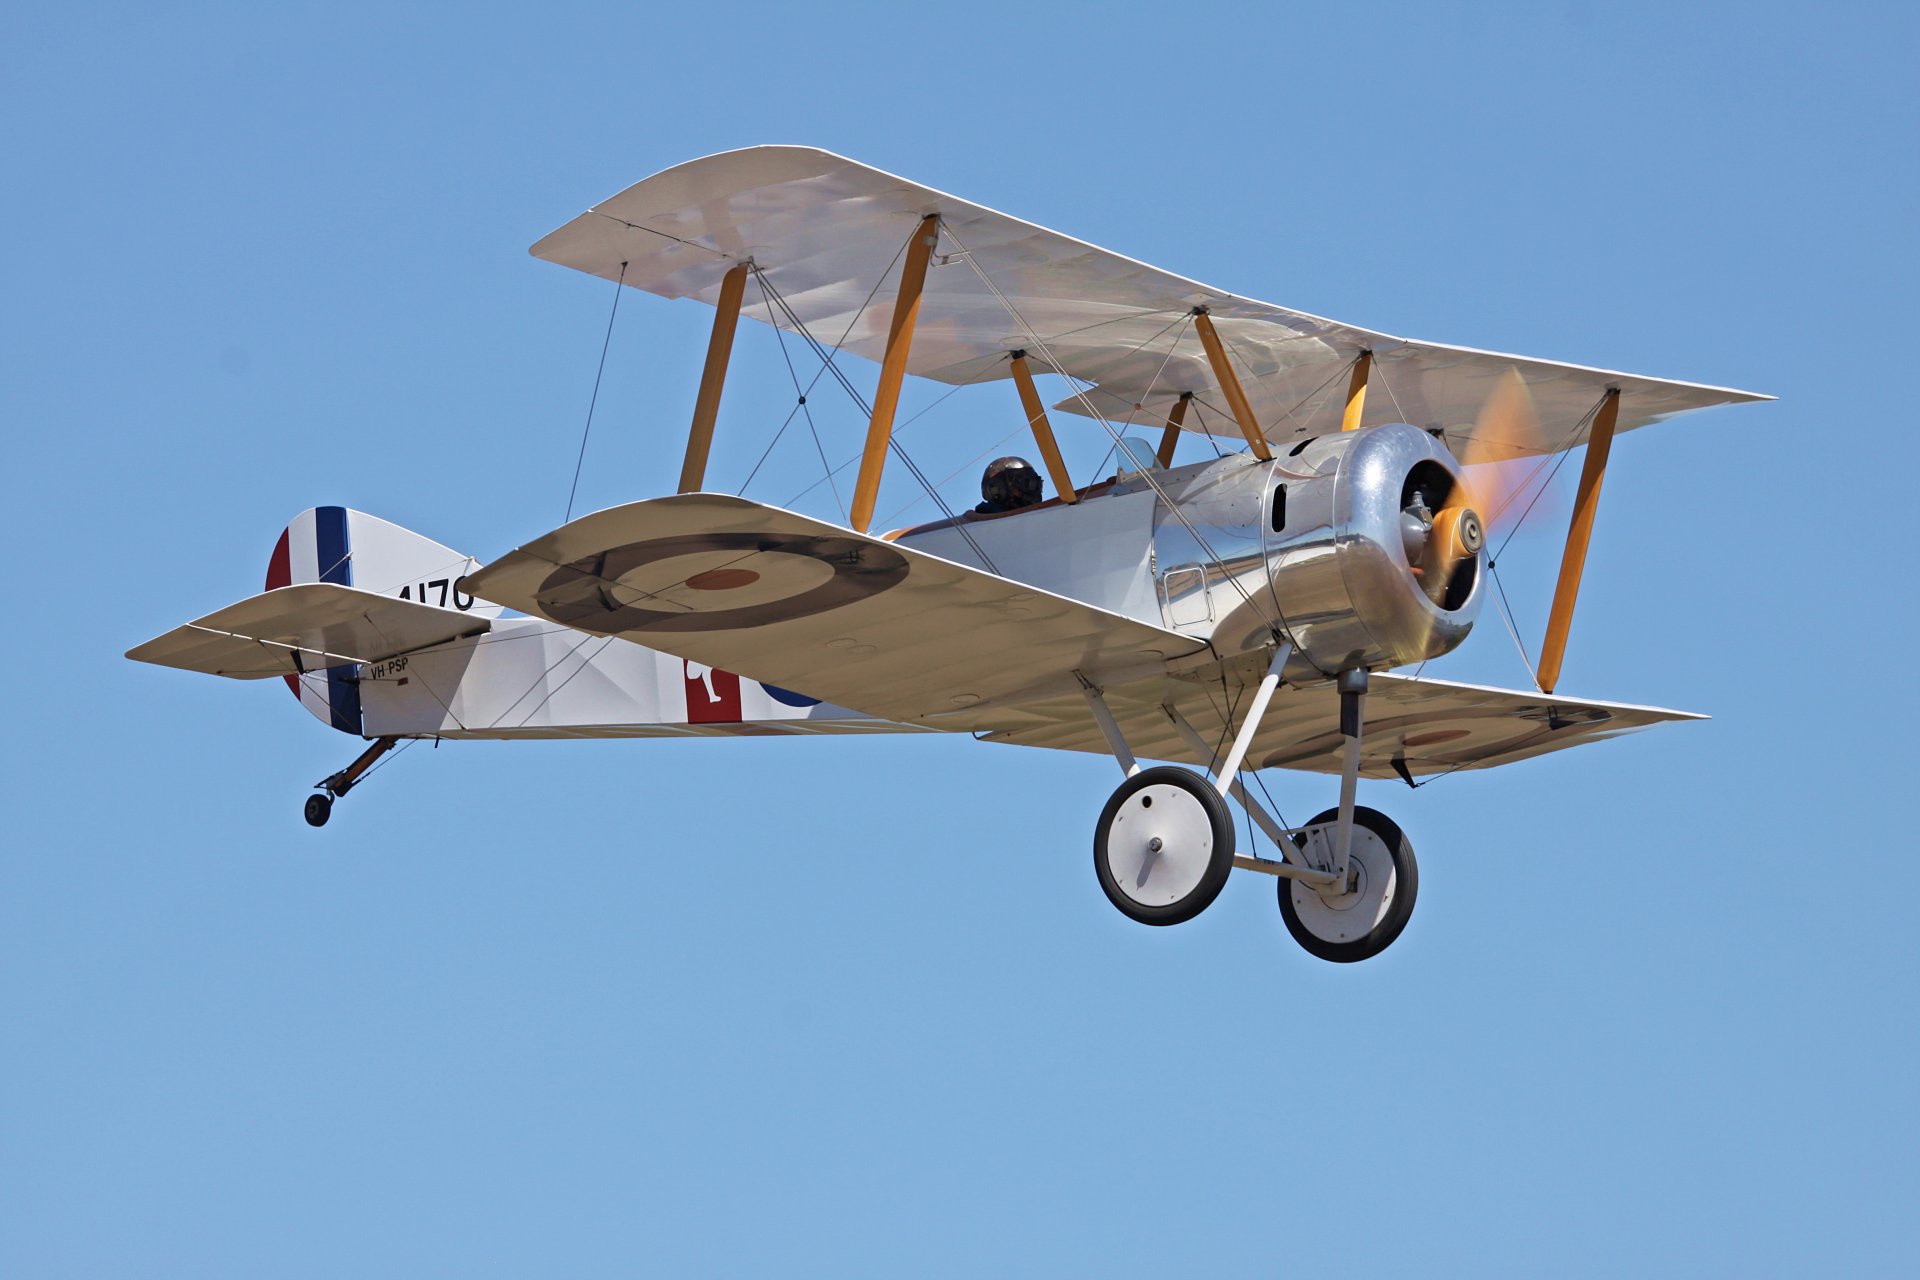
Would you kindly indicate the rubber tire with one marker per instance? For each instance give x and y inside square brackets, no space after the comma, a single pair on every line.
[1406,877]
[319,809]
[1219,865]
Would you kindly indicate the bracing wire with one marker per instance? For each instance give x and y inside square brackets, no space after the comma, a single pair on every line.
[393,755]
[827,361]
[768,452]
[1507,616]
[994,448]
[1153,482]
[952,390]
[800,404]
[1513,626]
[767,292]
[595,400]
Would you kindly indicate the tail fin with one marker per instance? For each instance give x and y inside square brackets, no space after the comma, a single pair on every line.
[353,549]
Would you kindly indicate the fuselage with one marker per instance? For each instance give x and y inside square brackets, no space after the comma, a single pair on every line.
[1314,547]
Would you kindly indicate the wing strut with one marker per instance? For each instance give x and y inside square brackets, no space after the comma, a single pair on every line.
[1357,393]
[726,316]
[1171,436]
[1043,430]
[1230,384]
[893,368]
[1586,501]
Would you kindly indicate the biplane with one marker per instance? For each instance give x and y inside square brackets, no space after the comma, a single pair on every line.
[1249,610]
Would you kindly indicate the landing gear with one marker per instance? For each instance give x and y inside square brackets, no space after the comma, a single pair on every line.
[319,807]
[1359,916]
[1163,845]
[1363,906]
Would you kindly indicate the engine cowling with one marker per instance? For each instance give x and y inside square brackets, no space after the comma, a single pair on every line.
[1357,544]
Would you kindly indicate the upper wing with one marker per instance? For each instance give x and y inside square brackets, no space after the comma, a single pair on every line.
[852,619]
[306,627]
[1430,726]
[826,232]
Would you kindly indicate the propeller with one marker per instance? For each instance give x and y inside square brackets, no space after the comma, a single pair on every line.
[1445,523]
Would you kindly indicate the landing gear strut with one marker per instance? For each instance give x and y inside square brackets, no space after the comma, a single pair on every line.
[1365,908]
[1164,844]
[1361,917]
[319,807]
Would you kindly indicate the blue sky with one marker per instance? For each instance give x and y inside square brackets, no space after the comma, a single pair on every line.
[860,1008]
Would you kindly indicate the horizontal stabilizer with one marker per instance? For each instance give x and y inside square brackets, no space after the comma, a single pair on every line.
[306,627]
[855,620]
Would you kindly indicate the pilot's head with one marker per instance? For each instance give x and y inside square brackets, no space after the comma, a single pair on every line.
[1010,484]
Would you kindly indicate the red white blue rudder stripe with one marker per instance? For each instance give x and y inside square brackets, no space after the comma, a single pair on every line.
[353,549]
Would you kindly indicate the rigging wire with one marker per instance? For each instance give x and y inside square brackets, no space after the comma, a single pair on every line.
[1165,360]
[1094,412]
[1379,371]
[1507,616]
[826,357]
[952,390]
[860,401]
[1298,404]
[994,448]
[393,755]
[1206,433]
[1513,628]
[1560,460]
[768,452]
[1279,817]
[773,319]
[1503,605]
[794,374]
[597,374]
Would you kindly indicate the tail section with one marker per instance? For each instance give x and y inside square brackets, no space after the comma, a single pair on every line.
[352,549]
[374,630]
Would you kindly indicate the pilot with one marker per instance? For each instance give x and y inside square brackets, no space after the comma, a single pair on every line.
[1008,485]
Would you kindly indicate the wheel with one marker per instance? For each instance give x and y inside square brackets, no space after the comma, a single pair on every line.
[1362,923]
[1164,845]
[319,809]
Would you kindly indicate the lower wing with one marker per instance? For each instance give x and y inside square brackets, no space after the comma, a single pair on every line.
[852,619]
[1419,726]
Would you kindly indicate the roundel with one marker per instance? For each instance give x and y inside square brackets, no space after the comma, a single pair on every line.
[717,582]
[788,696]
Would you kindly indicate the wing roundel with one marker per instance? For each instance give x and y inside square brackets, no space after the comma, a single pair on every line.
[790,601]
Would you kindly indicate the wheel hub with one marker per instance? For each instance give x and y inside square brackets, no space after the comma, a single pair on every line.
[1159,845]
[1340,896]
[1357,907]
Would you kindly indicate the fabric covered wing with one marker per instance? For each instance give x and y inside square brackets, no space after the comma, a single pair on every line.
[306,627]
[826,233]
[821,611]
[1433,726]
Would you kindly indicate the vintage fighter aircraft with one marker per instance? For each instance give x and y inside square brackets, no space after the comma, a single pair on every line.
[1233,614]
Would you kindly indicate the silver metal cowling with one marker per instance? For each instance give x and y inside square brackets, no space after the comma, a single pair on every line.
[1335,577]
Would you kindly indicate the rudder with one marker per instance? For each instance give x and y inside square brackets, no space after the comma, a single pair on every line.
[353,549]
